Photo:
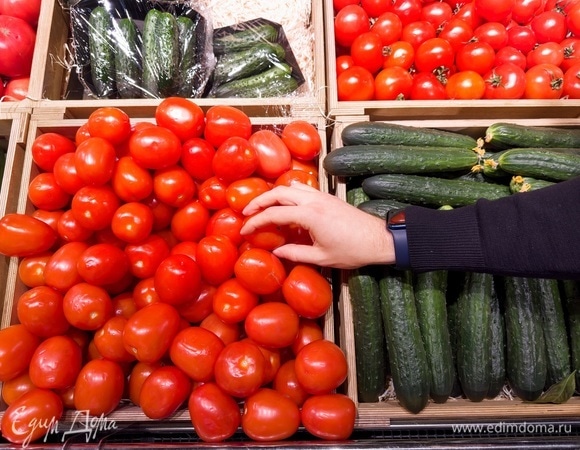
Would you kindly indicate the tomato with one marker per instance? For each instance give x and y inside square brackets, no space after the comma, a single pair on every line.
[215,415]
[177,280]
[294,175]
[546,53]
[375,8]
[494,10]
[124,305]
[195,350]
[270,416]
[15,387]
[145,256]
[457,32]
[493,33]
[164,391]
[222,122]
[196,157]
[144,293]
[287,384]
[70,230]
[477,56]
[66,175]
[525,10]
[31,270]
[510,55]
[321,367]
[182,116]
[307,291]
[227,332]
[86,306]
[389,27]
[349,22]
[343,62]
[155,147]
[418,32]
[56,362]
[234,159]
[29,11]
[95,160]
[573,19]
[240,192]
[16,89]
[173,186]
[40,310]
[149,332]
[17,39]
[433,54]
[102,264]
[273,358]
[61,271]
[17,345]
[407,10]
[393,83]
[216,256]
[50,218]
[521,38]
[197,310]
[571,83]
[267,237]
[260,271]
[436,13]
[94,206]
[45,193]
[308,330]
[356,83]
[426,86]
[228,222]
[23,235]
[130,181]
[571,49]
[48,147]
[329,417]
[31,416]
[273,156]
[139,373]
[544,81]
[162,212]
[302,140]
[339,4]
[466,85]
[212,193]
[366,51]
[190,221]
[232,302]
[132,222]
[109,340]
[549,26]
[272,324]
[99,387]
[399,54]
[110,123]
[239,368]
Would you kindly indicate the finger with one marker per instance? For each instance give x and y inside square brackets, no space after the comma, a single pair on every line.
[277,215]
[280,195]
[306,254]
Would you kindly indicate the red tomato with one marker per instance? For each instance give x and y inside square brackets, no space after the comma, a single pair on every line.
[308,330]
[437,13]
[239,368]
[198,309]
[16,89]
[260,271]
[25,10]
[40,310]
[571,88]
[546,53]
[272,324]
[393,83]
[571,47]
[124,305]
[267,237]
[137,377]
[70,230]
[216,256]
[190,221]
[196,157]
[273,156]
[522,38]
[339,4]
[149,332]
[407,10]
[132,222]
[195,350]
[457,32]
[349,22]
[66,175]
[222,122]
[164,391]
[182,116]
[287,384]
[298,175]
[399,54]
[544,81]
[240,192]
[130,181]
[55,363]
[87,307]
[477,56]
[232,302]
[270,416]
[330,417]
[343,62]
[366,51]
[302,140]
[273,360]
[494,10]
[524,10]
[94,206]
[103,264]
[493,33]
[17,39]
[109,340]
[510,55]
[110,123]
[321,367]
[228,222]
[214,414]
[307,291]
[99,387]
[162,212]
[61,272]
[45,193]
[389,27]
[356,83]
[31,270]
[23,235]
[95,160]
[227,332]
[173,186]
[21,420]
[15,387]
[177,280]
[144,293]
[433,54]
[415,33]
[375,8]
[155,147]
[466,85]
[17,345]
[573,19]
[144,257]
[549,26]
[234,159]
[212,193]
[467,13]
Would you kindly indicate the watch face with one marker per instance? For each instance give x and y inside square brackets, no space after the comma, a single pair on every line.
[397,219]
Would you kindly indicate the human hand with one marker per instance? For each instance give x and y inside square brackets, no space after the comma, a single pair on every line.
[343,236]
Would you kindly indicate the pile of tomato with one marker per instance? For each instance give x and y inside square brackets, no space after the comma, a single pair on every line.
[457,49]
[141,290]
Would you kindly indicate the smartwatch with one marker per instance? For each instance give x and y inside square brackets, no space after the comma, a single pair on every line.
[398,227]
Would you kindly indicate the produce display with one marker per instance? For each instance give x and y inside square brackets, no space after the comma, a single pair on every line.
[141,292]
[480,49]
[443,334]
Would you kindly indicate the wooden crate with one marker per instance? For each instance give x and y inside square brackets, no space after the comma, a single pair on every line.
[433,109]
[59,89]
[384,414]
[127,412]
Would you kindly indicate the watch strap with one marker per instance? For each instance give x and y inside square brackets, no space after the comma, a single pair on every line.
[397,226]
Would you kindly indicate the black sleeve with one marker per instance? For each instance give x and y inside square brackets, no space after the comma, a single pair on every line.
[533,234]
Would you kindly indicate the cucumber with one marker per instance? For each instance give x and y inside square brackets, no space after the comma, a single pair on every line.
[570,292]
[380,207]
[526,366]
[497,342]
[369,336]
[491,167]
[454,279]
[128,59]
[362,160]
[527,184]
[407,356]
[160,54]
[430,299]
[425,190]
[187,65]
[506,135]
[244,63]
[273,82]
[356,196]
[547,294]
[473,335]
[540,163]
[245,39]
[384,133]
[102,52]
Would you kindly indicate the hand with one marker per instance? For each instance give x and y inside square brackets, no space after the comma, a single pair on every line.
[343,236]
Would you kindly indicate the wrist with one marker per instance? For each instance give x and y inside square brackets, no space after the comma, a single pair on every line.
[397,227]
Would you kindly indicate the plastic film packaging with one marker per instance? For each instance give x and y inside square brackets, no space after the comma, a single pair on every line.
[141,49]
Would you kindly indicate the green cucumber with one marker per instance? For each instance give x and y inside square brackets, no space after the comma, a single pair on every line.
[356,196]
[369,336]
[102,52]
[497,342]
[425,190]
[526,365]
[540,163]
[160,54]
[506,135]
[362,160]
[128,59]
[380,207]
[407,356]
[547,294]
[490,166]
[273,82]
[570,292]
[384,133]
[430,299]
[473,335]
[244,39]
[527,184]
[244,63]
[187,65]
